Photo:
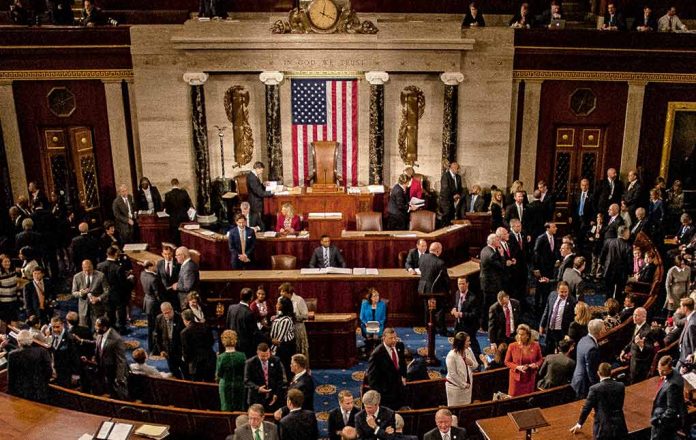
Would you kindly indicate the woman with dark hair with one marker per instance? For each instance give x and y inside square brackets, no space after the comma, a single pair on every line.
[28,257]
[372,309]
[193,303]
[283,332]
[9,298]
[595,236]
[461,364]
[109,238]
[261,310]
[613,309]
[474,18]
[149,198]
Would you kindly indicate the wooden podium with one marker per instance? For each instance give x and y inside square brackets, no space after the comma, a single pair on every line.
[325,175]
[528,420]
[331,225]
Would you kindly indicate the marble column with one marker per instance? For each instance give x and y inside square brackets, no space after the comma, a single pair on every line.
[632,125]
[513,130]
[11,139]
[530,131]
[449,116]
[274,144]
[200,140]
[376,80]
[135,128]
[117,131]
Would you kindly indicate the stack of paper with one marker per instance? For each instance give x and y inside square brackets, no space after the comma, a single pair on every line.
[162,214]
[270,234]
[153,431]
[375,189]
[192,227]
[134,247]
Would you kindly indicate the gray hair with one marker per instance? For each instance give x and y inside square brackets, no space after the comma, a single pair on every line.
[24,338]
[398,422]
[515,221]
[491,239]
[166,306]
[245,205]
[27,223]
[241,420]
[500,231]
[595,327]
[371,397]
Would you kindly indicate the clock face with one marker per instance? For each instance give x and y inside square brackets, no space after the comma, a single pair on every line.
[61,101]
[583,102]
[323,14]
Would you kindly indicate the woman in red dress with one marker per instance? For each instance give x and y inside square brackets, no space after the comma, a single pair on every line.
[288,222]
[416,186]
[523,358]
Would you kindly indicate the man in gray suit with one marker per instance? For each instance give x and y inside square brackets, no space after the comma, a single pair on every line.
[188,275]
[124,213]
[90,287]
[154,291]
[445,430]
[557,368]
[687,340]
[573,275]
[256,429]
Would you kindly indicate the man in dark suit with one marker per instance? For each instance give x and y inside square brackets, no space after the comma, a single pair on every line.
[301,380]
[386,370]
[557,368]
[257,192]
[616,260]
[299,424]
[608,191]
[607,399]
[154,292]
[241,241]
[547,199]
[613,19]
[434,279]
[84,247]
[110,360]
[493,274]
[63,347]
[254,220]
[686,231]
[582,212]
[415,254]
[614,221]
[342,416]
[177,202]
[587,357]
[534,218]
[241,319]
[639,224]
[669,410]
[398,207]
[632,196]
[474,202]
[546,253]
[168,273]
[39,295]
[375,421]
[188,275]
[167,338]
[445,430]
[79,333]
[326,255]
[197,349]
[415,367]
[687,340]
[517,210]
[28,369]
[558,314]
[503,318]
[629,307]
[257,428]
[264,378]
[646,22]
[640,347]
[467,313]
[120,288]
[92,291]
[518,272]
[124,212]
[29,237]
[451,191]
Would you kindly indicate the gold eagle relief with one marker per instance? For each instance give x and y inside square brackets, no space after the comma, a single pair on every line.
[237,110]
[412,108]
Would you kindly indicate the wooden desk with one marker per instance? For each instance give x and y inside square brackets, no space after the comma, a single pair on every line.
[332,226]
[637,410]
[305,201]
[332,340]
[22,419]
[153,231]
[334,293]
[360,249]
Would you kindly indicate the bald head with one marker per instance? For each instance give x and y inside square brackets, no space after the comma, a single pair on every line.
[435,248]
[122,190]
[640,315]
[83,228]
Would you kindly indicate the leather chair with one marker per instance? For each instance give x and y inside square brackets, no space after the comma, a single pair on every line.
[422,221]
[368,221]
[311,304]
[195,256]
[283,262]
[242,188]
[402,259]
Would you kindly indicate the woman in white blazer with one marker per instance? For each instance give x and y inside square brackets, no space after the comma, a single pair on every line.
[461,364]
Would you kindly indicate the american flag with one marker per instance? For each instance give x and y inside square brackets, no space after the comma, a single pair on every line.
[325,109]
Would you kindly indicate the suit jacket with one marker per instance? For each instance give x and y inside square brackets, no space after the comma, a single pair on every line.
[669,410]
[84,247]
[156,199]
[632,196]
[573,278]
[235,244]
[244,432]
[616,259]
[336,422]
[611,230]
[242,320]
[456,433]
[385,418]
[153,290]
[163,341]
[607,400]
[588,210]
[651,22]
[686,233]
[29,370]
[496,321]
[568,312]
[111,359]
[417,370]
[305,383]
[255,220]
[85,334]
[548,206]
[66,357]
[617,20]
[335,258]
[471,312]
[168,280]
[556,370]
[493,270]
[534,219]
[511,213]
[120,211]
[253,379]
[412,259]
[637,227]
[603,196]
[687,340]
[449,187]
[197,349]
[257,192]
[479,203]
[116,278]
[188,277]
[397,208]
[29,238]
[434,277]
[98,287]
[384,377]
[299,425]
[177,203]
[545,258]
[641,360]
[31,297]
[587,358]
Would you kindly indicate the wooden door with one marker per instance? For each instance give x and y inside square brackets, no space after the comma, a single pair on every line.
[578,154]
[70,168]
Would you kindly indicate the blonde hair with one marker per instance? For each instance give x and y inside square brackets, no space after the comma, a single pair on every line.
[526,328]
[494,193]
[229,338]
[516,186]
[582,313]
[288,208]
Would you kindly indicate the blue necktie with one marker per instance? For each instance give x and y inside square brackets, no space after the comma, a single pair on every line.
[473,200]
[581,211]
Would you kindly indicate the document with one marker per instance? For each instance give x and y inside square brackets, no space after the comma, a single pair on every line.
[229,195]
[375,189]
[153,431]
[191,214]
[371,272]
[310,271]
[162,214]
[269,234]
[121,431]
[134,247]
[415,201]
[359,271]
[192,227]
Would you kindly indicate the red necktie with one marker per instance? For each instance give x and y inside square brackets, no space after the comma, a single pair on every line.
[395,360]
[265,372]
[659,384]
[508,329]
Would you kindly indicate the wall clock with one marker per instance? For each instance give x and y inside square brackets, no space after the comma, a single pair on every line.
[323,14]
[61,102]
[583,102]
